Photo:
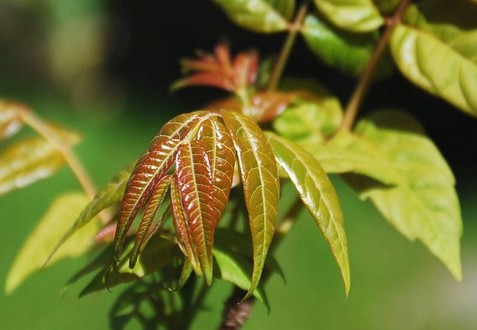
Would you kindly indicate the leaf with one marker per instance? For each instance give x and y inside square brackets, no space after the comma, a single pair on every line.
[314,114]
[259,174]
[10,119]
[107,196]
[48,231]
[386,7]
[416,191]
[195,187]
[236,269]
[256,15]
[351,15]
[28,161]
[318,195]
[348,52]
[152,166]
[284,7]
[450,36]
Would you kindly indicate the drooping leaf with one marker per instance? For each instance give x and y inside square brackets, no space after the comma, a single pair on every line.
[48,231]
[318,195]
[10,119]
[144,230]
[314,114]
[150,169]
[28,161]
[260,183]
[415,190]
[348,52]
[351,15]
[430,27]
[196,190]
[255,15]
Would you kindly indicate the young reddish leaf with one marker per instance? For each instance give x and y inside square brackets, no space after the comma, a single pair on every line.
[10,119]
[260,182]
[318,195]
[182,229]
[152,166]
[153,205]
[195,186]
[218,70]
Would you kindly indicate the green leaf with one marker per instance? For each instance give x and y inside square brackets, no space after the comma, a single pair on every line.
[10,119]
[48,231]
[450,36]
[386,7]
[259,175]
[256,15]
[351,15]
[236,269]
[318,195]
[348,52]
[284,7]
[26,162]
[107,196]
[312,116]
[416,187]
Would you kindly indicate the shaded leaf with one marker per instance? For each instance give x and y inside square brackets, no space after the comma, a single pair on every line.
[351,15]
[318,195]
[314,114]
[284,7]
[255,15]
[48,231]
[28,161]
[348,52]
[386,7]
[260,183]
[236,269]
[10,119]
[450,36]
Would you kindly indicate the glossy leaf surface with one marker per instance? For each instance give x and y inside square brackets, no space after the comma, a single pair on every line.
[256,15]
[351,15]
[26,162]
[260,183]
[348,52]
[318,195]
[430,27]
[47,233]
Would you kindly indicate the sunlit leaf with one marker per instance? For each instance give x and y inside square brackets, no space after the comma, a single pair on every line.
[195,186]
[47,233]
[10,119]
[351,15]
[318,195]
[28,161]
[348,52]
[415,190]
[259,175]
[255,15]
[314,114]
[430,27]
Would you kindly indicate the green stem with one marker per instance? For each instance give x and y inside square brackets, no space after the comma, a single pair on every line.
[367,78]
[293,29]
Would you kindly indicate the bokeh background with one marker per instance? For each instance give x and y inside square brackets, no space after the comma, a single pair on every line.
[104,68]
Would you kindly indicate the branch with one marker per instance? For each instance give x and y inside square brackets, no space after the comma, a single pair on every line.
[368,76]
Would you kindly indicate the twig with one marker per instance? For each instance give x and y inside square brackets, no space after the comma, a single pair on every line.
[366,79]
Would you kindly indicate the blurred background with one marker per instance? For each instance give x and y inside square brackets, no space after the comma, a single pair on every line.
[103,68]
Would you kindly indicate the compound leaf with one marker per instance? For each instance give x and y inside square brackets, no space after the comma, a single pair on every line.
[259,175]
[48,231]
[317,194]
